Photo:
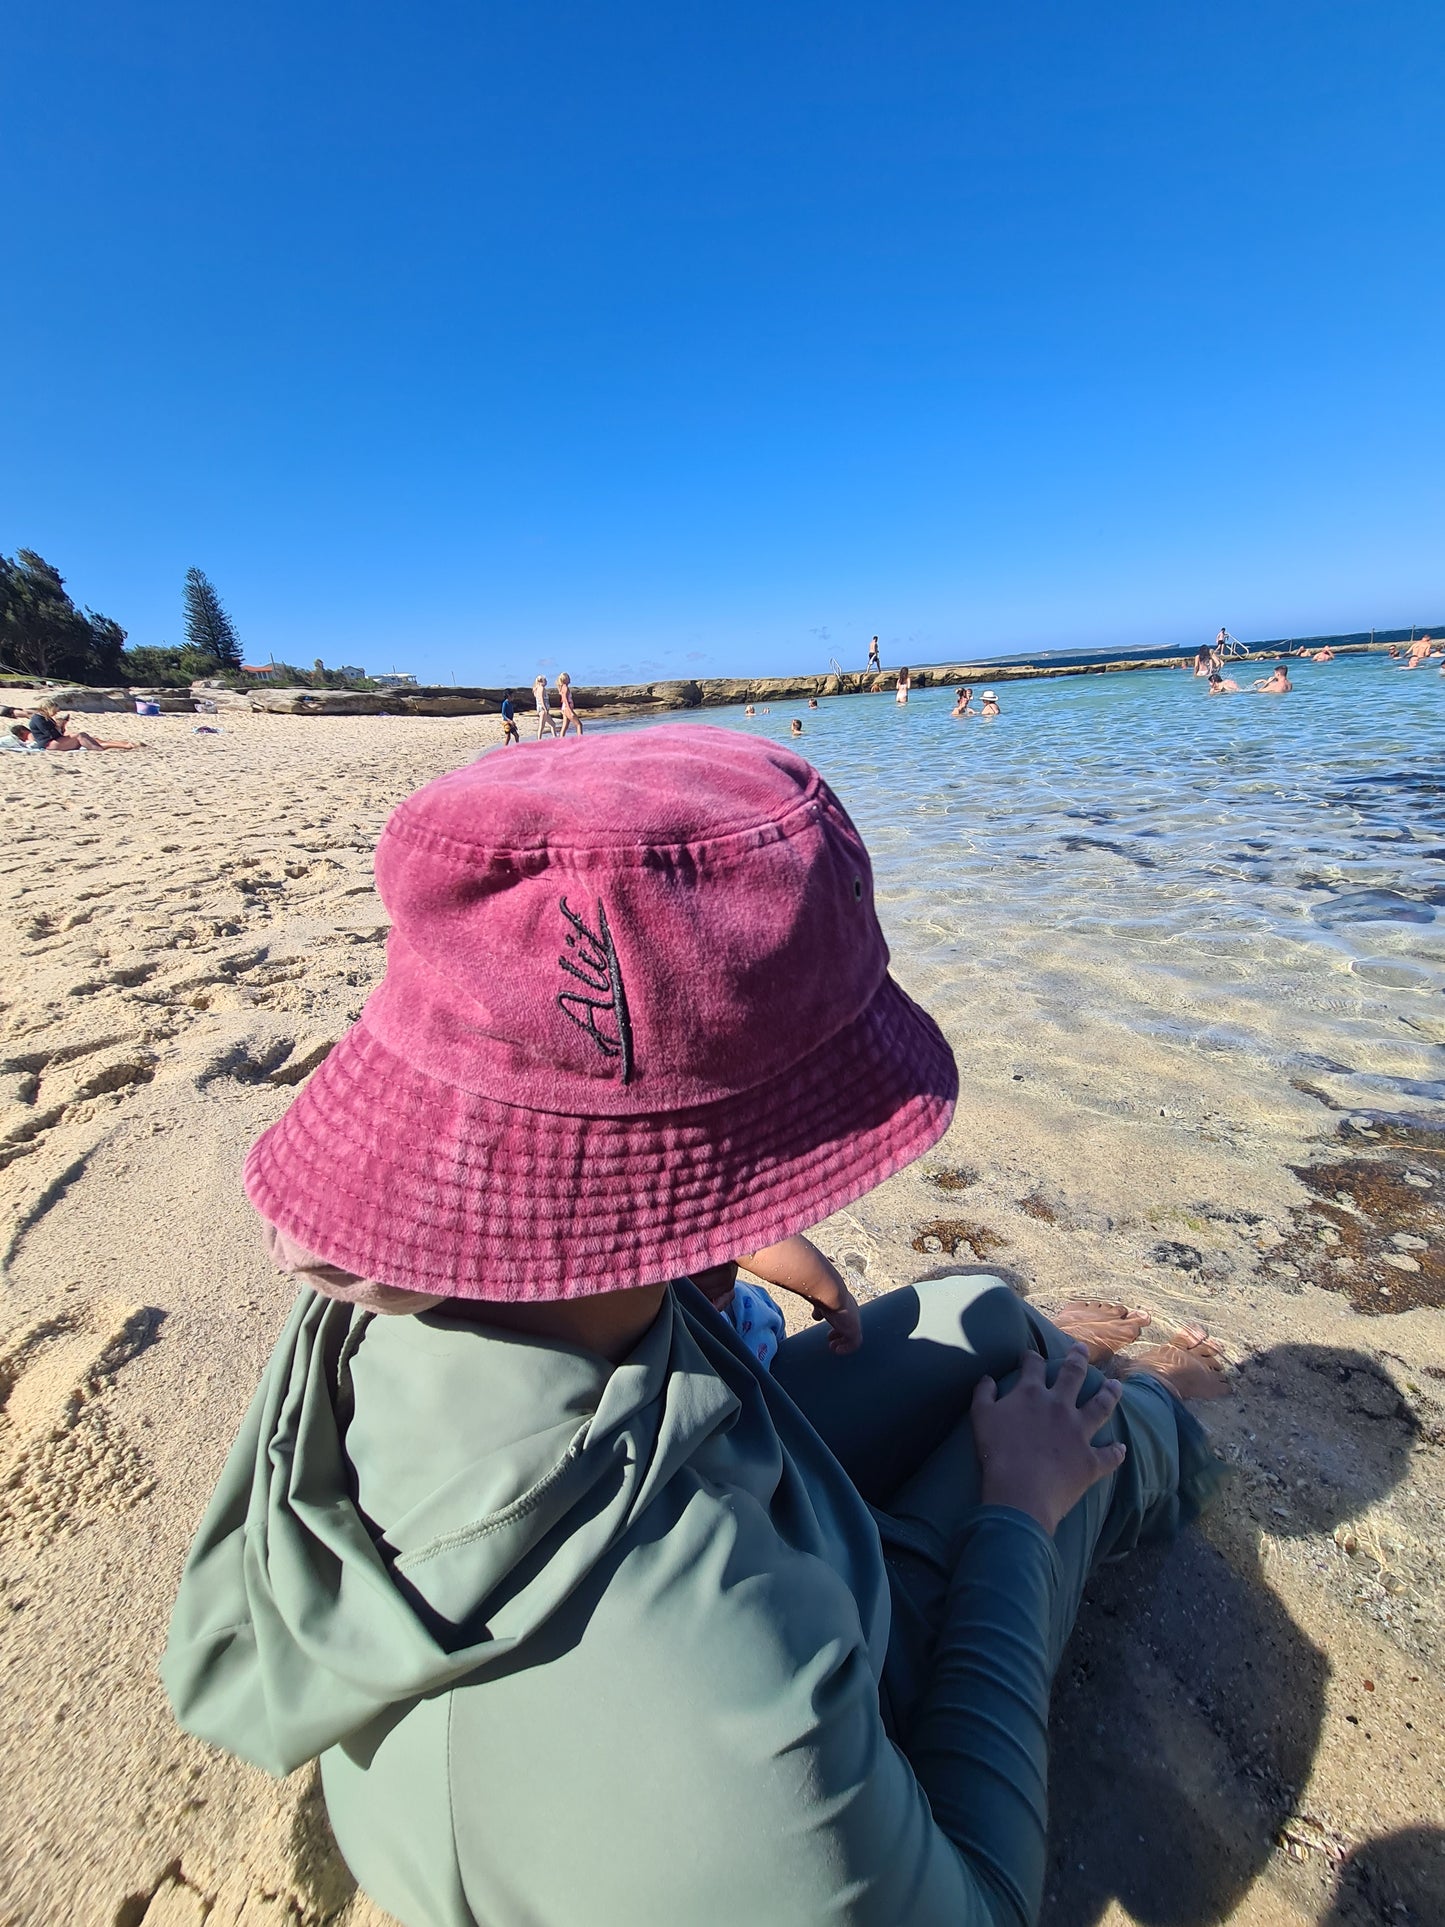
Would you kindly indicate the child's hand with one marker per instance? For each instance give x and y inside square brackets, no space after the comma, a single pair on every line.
[847,1332]
[1034,1442]
[796,1265]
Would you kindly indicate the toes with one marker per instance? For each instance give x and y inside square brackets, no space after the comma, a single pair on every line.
[1189,1337]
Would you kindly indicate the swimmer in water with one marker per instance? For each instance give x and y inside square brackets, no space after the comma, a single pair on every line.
[1221,685]
[812,702]
[990,703]
[750,711]
[795,727]
[963,703]
[902,695]
[1420,651]
[1277,684]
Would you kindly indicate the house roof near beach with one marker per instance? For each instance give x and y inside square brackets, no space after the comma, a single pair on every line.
[262,669]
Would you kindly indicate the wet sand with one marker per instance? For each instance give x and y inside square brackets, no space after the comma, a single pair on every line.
[1249,1728]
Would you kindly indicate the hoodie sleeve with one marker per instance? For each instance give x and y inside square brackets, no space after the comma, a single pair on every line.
[979,1742]
[953,1833]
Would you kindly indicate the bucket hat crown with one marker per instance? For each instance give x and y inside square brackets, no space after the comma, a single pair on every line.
[636,1018]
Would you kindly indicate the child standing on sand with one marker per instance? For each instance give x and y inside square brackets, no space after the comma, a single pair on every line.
[544,714]
[570,718]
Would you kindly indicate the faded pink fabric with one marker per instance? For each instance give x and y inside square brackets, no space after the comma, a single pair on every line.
[636,1019]
[332,1282]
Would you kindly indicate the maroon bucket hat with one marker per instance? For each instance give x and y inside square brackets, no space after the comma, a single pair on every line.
[636,1020]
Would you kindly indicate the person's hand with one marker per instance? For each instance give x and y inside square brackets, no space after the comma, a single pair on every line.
[844,1317]
[1034,1442]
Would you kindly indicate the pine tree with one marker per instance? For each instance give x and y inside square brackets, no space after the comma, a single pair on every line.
[209,630]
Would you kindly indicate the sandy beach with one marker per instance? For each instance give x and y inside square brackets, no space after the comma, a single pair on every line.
[1250,1728]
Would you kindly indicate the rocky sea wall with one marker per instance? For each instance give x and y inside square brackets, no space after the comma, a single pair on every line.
[597,699]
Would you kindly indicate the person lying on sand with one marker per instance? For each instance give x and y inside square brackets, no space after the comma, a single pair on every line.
[1221,685]
[590,1619]
[963,704]
[46,725]
[990,703]
[1275,684]
[82,739]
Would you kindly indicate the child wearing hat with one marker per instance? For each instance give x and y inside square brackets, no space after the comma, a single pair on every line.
[587,1616]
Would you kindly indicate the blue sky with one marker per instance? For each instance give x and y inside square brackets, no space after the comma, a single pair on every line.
[680,339]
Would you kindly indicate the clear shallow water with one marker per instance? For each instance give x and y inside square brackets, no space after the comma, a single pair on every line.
[1237,874]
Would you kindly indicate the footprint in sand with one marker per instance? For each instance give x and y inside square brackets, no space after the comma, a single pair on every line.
[63,1456]
[46,1087]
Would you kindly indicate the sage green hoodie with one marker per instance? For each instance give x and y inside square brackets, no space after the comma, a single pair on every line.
[582,1645]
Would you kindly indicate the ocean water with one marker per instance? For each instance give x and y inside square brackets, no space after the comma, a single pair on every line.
[1257,877]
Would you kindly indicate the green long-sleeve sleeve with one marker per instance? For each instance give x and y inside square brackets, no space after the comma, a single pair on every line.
[979,1740]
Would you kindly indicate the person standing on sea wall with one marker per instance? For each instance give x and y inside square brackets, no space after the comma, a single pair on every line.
[874,661]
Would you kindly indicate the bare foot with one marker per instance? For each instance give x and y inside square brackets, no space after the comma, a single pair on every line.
[1101,1325]
[1191,1365]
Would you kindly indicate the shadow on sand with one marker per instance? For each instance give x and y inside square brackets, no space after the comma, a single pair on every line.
[1189,1706]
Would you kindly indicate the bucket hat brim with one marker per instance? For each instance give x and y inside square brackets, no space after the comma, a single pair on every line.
[390,1173]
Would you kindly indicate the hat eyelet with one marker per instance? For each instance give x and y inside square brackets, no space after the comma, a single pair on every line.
[858,889]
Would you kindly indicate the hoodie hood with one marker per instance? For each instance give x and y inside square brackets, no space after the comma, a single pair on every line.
[408,1500]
